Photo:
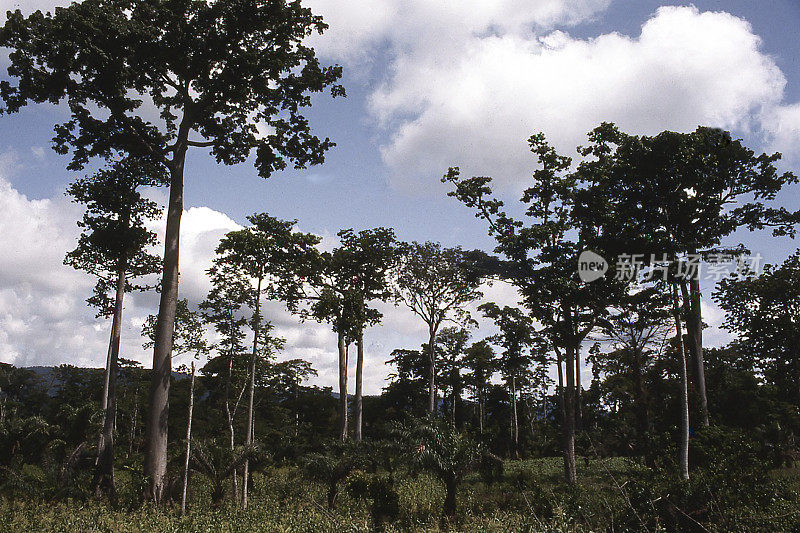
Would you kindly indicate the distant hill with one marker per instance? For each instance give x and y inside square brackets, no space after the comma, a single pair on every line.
[49,376]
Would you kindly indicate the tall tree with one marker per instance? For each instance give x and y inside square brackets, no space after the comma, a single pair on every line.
[113,247]
[541,252]
[189,338]
[683,450]
[347,280]
[224,308]
[226,70]
[678,194]
[480,361]
[436,283]
[516,337]
[364,260]
[451,343]
[275,260]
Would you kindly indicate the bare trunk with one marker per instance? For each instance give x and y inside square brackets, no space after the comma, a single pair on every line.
[578,399]
[248,440]
[640,404]
[531,414]
[569,418]
[432,370]
[456,394]
[697,338]
[134,420]
[296,404]
[106,385]
[104,475]
[342,387]
[155,463]
[231,431]
[480,410]
[514,416]
[188,444]
[683,460]
[359,375]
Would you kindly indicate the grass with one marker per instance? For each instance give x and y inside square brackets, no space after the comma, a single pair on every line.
[532,497]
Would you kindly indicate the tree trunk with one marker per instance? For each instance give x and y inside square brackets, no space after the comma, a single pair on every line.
[155,463]
[106,385]
[248,441]
[569,417]
[342,387]
[229,414]
[104,475]
[697,338]
[456,394]
[480,410]
[296,404]
[188,444]
[431,370]
[359,376]
[106,381]
[449,507]
[578,399]
[514,416]
[134,419]
[640,404]
[683,460]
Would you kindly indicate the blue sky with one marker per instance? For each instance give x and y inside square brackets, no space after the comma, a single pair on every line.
[430,84]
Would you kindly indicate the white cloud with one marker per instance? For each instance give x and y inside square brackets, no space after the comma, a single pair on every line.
[477,108]
[41,299]
[439,28]
[782,126]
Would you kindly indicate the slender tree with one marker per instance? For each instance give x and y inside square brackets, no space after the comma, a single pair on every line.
[274,259]
[114,247]
[516,337]
[224,308]
[683,451]
[480,361]
[436,283]
[365,259]
[636,330]
[451,344]
[189,416]
[222,70]
[346,281]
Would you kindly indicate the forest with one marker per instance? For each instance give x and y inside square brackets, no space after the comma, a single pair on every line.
[594,404]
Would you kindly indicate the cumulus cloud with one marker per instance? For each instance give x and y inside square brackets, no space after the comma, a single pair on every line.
[782,125]
[477,108]
[437,28]
[41,299]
